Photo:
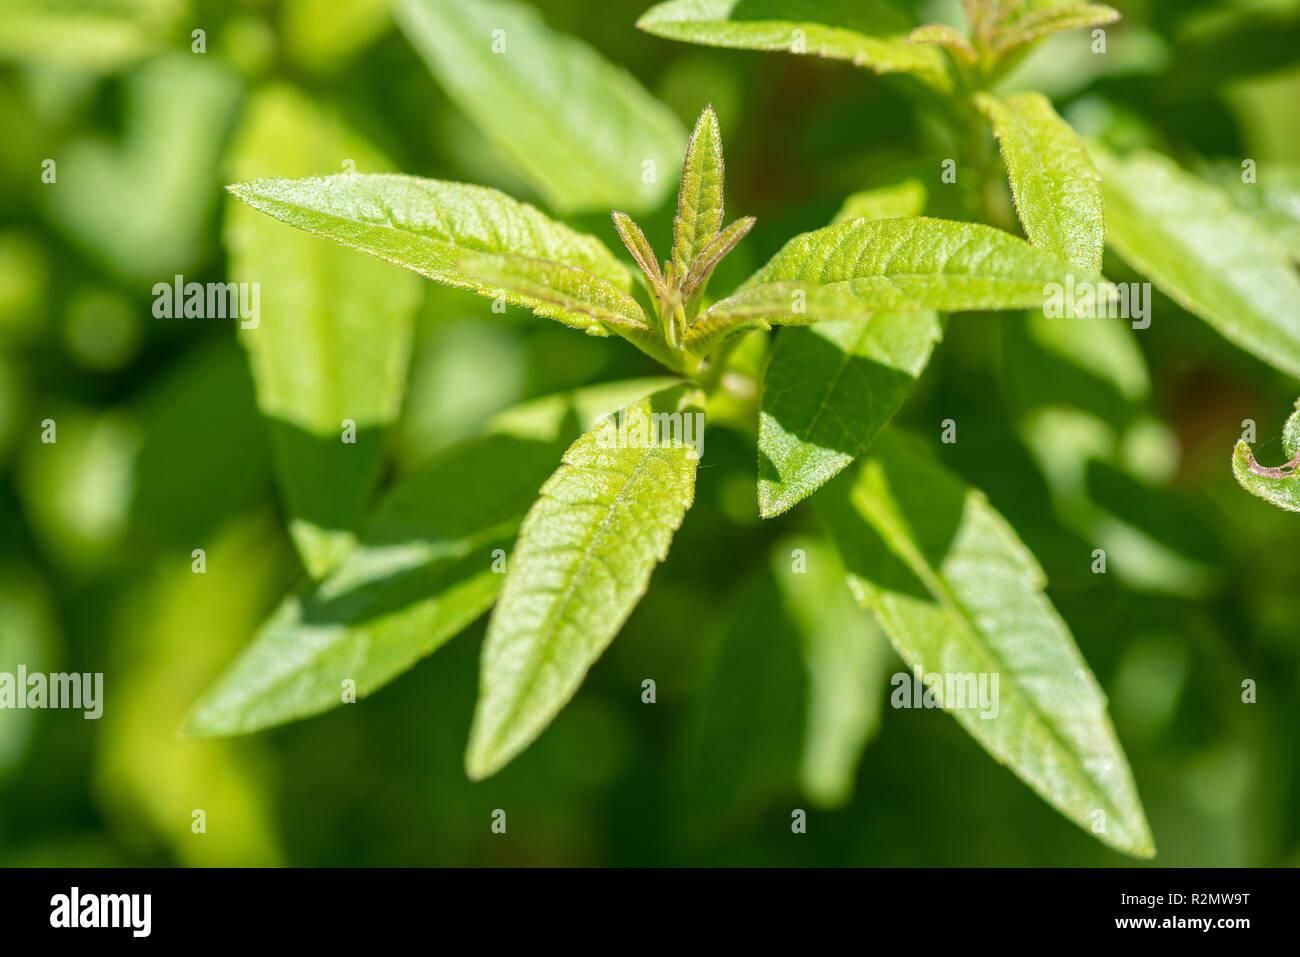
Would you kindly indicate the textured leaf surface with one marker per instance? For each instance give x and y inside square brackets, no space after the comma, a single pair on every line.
[828,391]
[958,594]
[868,33]
[1206,255]
[1056,188]
[429,226]
[1281,484]
[333,338]
[580,129]
[857,267]
[421,572]
[846,657]
[583,560]
[699,201]
[918,263]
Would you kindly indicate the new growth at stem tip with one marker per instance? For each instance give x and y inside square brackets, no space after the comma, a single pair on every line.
[699,241]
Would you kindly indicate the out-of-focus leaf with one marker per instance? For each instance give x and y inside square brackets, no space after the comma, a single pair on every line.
[1203,253]
[142,206]
[322,34]
[28,632]
[332,342]
[940,34]
[583,560]
[187,482]
[1056,188]
[581,130]
[888,202]
[958,594]
[1272,199]
[868,33]
[429,226]
[1034,24]
[421,572]
[1154,538]
[1277,484]
[170,633]
[1094,364]
[86,34]
[77,490]
[735,759]
[846,657]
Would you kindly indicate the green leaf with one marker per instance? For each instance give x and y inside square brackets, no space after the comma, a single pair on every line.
[828,391]
[429,226]
[1206,255]
[1280,484]
[1036,24]
[860,266]
[699,201]
[86,34]
[1272,200]
[958,594]
[1056,188]
[581,130]
[584,556]
[846,657]
[939,34]
[888,202]
[333,339]
[868,33]
[577,296]
[29,636]
[422,571]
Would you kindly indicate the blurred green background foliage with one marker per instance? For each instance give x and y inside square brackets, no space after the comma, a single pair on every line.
[1078,437]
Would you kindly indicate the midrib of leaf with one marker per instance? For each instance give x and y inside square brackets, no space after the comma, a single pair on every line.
[899,539]
[558,613]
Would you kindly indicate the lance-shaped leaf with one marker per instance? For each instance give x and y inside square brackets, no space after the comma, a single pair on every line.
[641,251]
[829,389]
[429,226]
[1054,18]
[575,296]
[857,267]
[699,200]
[422,571]
[1056,188]
[581,130]
[582,562]
[714,253]
[1277,484]
[332,339]
[868,33]
[846,657]
[939,34]
[960,597]
[1205,254]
